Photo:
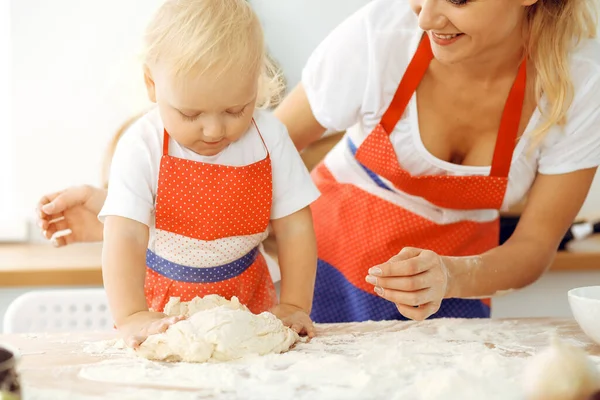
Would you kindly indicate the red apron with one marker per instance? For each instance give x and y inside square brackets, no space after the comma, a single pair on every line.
[357,230]
[209,213]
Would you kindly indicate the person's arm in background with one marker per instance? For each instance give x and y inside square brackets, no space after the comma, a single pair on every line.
[297,116]
[75,209]
[334,81]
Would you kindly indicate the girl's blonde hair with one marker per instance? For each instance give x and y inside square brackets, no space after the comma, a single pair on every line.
[196,36]
[556,27]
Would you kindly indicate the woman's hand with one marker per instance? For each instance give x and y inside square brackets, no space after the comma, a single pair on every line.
[296,318]
[415,280]
[75,209]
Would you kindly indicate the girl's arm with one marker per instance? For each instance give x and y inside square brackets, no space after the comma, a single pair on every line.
[297,256]
[124,271]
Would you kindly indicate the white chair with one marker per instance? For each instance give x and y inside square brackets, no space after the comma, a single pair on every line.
[72,310]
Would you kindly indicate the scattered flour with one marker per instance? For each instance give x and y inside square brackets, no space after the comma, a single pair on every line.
[431,360]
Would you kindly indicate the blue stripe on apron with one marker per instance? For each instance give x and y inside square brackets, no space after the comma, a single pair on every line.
[337,300]
[374,177]
[182,273]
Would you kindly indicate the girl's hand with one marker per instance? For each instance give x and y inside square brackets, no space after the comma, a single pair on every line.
[415,280]
[136,329]
[296,318]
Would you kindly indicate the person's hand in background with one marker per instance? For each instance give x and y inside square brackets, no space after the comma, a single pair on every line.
[75,209]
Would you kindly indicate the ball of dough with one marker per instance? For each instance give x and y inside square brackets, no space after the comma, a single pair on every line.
[217,329]
[561,372]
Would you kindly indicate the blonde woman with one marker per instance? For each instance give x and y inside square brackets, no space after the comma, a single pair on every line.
[454,110]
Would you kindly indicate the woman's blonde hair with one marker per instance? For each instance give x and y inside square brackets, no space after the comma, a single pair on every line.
[556,27]
[196,36]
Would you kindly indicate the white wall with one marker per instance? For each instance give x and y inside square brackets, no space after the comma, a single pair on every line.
[76,79]
[9,222]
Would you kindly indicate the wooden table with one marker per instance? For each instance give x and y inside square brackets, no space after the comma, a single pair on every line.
[80,265]
[45,265]
[345,361]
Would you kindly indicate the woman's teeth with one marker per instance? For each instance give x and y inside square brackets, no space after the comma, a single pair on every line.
[446,37]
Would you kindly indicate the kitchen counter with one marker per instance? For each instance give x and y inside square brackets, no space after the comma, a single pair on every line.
[43,265]
[80,265]
[437,359]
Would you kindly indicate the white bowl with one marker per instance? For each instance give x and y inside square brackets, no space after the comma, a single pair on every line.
[585,306]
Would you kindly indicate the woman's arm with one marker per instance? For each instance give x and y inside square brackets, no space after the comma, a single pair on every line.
[76,209]
[295,113]
[417,280]
[553,204]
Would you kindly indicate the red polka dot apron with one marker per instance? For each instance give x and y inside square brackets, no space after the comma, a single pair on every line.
[357,230]
[210,220]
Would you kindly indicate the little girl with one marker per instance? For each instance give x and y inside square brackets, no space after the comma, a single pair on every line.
[195,182]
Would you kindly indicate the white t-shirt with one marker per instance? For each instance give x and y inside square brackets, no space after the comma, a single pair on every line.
[135,167]
[136,162]
[352,76]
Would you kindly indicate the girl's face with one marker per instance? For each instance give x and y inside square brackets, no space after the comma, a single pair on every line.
[461,30]
[204,113]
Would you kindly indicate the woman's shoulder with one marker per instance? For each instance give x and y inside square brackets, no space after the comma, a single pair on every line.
[576,145]
[585,64]
[385,12]
[388,19]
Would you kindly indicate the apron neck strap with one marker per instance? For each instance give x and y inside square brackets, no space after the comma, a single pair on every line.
[261,137]
[165,143]
[408,85]
[509,124]
[511,116]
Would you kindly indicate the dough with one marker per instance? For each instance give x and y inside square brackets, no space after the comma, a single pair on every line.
[217,329]
[188,308]
[561,372]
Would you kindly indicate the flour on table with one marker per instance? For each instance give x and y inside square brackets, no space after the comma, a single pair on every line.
[442,359]
[217,329]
